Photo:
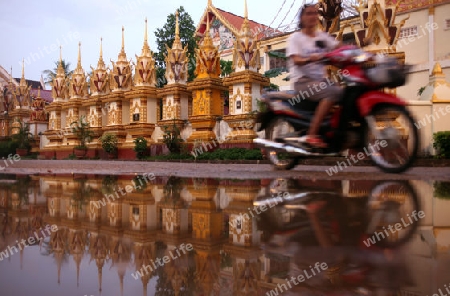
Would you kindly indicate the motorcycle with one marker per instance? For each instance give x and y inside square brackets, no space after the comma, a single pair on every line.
[341,231]
[348,221]
[366,118]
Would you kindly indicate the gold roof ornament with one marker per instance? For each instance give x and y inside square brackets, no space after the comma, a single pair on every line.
[145,73]
[60,84]
[176,58]
[377,28]
[22,98]
[245,52]
[208,57]
[121,74]
[99,82]
[78,85]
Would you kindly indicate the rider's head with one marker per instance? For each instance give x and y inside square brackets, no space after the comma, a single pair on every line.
[309,16]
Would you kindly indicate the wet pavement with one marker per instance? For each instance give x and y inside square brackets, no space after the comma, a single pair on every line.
[147,233]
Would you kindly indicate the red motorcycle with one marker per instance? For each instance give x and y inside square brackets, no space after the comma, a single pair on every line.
[367,119]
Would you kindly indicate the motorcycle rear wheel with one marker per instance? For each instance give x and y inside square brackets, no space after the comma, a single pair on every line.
[394,139]
[277,128]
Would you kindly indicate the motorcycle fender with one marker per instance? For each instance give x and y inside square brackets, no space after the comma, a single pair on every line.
[369,100]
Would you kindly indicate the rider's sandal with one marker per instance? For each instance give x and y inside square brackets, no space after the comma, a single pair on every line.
[313,141]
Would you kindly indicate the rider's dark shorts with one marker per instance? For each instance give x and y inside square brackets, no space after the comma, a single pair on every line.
[316,90]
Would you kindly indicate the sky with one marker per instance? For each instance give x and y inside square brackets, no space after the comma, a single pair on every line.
[34,30]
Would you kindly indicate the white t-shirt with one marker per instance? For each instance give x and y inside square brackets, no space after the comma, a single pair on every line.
[304,46]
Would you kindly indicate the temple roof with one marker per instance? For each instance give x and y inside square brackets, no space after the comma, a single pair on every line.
[409,5]
[33,83]
[229,20]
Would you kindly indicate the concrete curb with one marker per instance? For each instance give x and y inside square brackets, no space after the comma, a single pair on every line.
[328,161]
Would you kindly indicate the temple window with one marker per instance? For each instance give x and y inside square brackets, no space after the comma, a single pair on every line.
[447,24]
[261,61]
[276,62]
[407,32]
[135,211]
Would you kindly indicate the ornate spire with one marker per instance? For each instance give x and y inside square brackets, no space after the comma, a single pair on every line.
[10,76]
[60,70]
[99,77]
[176,58]
[23,68]
[78,86]
[121,74]
[122,54]
[245,29]
[145,73]
[101,63]
[177,42]
[146,48]
[79,56]
[208,57]
[245,52]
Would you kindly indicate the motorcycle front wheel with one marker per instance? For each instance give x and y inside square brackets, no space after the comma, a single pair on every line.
[392,138]
[393,213]
[279,128]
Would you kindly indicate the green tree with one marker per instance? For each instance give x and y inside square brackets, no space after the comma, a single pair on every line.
[226,68]
[51,74]
[166,35]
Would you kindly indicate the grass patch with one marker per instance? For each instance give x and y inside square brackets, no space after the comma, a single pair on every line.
[219,154]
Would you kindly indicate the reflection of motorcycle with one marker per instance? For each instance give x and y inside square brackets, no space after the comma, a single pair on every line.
[372,219]
[326,226]
[365,118]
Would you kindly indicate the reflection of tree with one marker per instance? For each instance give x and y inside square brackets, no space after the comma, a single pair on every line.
[109,184]
[82,193]
[21,188]
[172,190]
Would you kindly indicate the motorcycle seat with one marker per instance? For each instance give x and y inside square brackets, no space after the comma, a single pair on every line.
[303,105]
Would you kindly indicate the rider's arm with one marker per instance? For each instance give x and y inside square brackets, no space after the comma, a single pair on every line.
[300,61]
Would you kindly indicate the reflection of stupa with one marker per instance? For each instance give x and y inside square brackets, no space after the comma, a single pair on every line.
[118,243]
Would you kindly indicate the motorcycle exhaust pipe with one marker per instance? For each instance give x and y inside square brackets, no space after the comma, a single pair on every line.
[282,147]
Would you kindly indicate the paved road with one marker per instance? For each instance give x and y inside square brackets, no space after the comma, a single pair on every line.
[204,170]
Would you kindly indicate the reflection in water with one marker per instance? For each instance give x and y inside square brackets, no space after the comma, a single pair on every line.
[238,249]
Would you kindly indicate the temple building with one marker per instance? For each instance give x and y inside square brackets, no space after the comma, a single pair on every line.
[124,100]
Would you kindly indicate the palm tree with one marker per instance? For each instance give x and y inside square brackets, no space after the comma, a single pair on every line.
[50,74]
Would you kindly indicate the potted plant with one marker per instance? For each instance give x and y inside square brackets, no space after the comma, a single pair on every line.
[172,138]
[82,131]
[109,144]
[22,137]
[140,147]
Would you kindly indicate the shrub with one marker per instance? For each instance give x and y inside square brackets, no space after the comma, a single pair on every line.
[442,190]
[441,142]
[140,147]
[109,142]
[7,148]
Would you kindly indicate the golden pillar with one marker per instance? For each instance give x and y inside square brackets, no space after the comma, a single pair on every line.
[120,83]
[207,90]
[60,93]
[142,99]
[71,108]
[99,87]
[245,85]
[176,99]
